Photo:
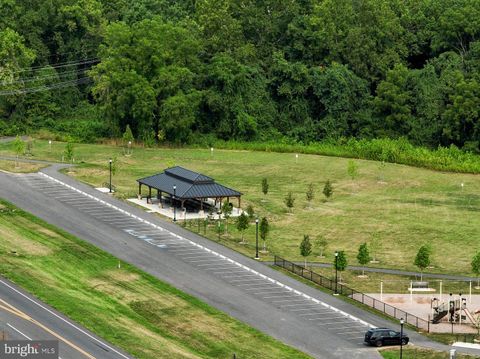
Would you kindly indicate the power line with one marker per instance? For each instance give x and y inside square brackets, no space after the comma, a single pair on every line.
[43,77]
[59,65]
[80,81]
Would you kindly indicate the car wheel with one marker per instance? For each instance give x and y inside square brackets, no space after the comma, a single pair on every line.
[378,343]
[404,341]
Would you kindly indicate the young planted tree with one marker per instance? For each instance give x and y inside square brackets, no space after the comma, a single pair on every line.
[68,153]
[250,212]
[305,248]
[340,263]
[422,259]
[352,169]
[264,229]
[242,224]
[19,148]
[321,244]
[265,186]
[128,139]
[476,268]
[375,246]
[363,256]
[227,212]
[310,194]
[328,189]
[289,201]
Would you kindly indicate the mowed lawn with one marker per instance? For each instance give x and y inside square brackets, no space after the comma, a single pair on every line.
[131,309]
[403,206]
[417,353]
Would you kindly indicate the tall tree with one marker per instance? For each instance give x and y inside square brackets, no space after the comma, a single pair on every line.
[264,230]
[340,263]
[242,224]
[363,256]
[475,264]
[422,259]
[305,248]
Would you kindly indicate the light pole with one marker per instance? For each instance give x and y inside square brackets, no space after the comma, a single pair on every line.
[129,145]
[173,203]
[336,273]
[256,238]
[110,166]
[401,338]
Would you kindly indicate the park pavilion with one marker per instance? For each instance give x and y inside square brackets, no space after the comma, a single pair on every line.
[189,190]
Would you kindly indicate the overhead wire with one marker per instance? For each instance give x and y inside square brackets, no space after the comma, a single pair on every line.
[43,77]
[82,80]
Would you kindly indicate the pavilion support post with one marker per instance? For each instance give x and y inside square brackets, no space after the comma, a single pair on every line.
[160,199]
[183,201]
[201,204]
[149,199]
[239,202]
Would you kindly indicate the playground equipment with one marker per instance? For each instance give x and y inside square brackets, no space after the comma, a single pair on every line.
[456,309]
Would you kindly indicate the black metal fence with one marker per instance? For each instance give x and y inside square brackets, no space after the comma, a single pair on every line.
[342,289]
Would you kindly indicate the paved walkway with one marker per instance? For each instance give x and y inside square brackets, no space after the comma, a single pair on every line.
[391,271]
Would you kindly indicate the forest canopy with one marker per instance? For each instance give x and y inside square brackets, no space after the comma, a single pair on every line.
[306,70]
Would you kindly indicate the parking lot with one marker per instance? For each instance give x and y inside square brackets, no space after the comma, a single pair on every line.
[254,283]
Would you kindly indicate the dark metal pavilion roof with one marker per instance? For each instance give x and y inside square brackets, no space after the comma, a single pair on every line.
[189,184]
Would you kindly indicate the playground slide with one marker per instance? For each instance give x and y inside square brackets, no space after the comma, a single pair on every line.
[438,316]
[469,316]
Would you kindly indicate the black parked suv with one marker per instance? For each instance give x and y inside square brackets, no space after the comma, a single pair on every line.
[384,336]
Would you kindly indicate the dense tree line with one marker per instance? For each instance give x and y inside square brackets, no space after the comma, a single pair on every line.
[306,70]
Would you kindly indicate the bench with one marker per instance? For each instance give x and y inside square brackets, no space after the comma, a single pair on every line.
[419,285]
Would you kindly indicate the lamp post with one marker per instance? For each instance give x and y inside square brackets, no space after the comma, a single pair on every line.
[110,166]
[401,338]
[129,145]
[173,203]
[256,238]
[336,273]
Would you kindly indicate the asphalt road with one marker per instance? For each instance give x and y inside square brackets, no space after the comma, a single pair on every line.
[23,317]
[301,316]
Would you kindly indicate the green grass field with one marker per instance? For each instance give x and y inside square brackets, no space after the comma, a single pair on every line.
[416,353]
[404,206]
[129,308]
[20,167]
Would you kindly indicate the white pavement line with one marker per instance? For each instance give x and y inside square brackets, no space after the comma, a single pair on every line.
[288,300]
[239,271]
[234,275]
[225,270]
[206,249]
[64,320]
[313,305]
[220,263]
[315,313]
[278,296]
[255,287]
[269,292]
[197,260]
[327,323]
[243,280]
[18,331]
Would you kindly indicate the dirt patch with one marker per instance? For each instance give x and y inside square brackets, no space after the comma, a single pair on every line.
[47,232]
[121,275]
[12,241]
[394,300]
[156,343]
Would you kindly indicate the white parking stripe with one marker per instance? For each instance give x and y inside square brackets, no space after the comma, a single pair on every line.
[236,282]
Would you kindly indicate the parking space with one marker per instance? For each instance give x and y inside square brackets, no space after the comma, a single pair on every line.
[255,284]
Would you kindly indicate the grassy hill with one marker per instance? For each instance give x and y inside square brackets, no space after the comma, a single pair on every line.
[152,319]
[404,207]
